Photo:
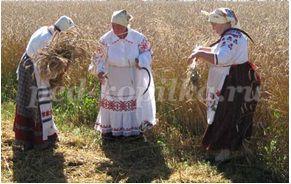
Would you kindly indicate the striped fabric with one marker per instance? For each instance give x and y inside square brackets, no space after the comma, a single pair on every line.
[33,121]
[45,107]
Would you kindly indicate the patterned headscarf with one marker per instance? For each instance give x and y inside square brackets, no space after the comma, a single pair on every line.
[222,16]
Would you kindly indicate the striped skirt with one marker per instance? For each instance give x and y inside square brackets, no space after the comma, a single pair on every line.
[32,124]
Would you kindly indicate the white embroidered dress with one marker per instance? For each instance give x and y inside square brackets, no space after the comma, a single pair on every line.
[231,50]
[123,106]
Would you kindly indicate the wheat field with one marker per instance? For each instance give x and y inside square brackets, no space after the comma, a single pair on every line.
[173,28]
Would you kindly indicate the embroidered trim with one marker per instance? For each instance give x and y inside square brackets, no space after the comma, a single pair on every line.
[117,95]
[129,41]
[230,40]
[115,41]
[124,129]
[103,126]
[144,46]
[116,129]
[46,113]
[118,105]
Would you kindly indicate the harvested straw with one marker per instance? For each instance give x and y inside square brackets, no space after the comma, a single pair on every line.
[66,49]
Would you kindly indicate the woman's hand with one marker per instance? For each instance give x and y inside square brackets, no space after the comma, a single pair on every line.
[137,64]
[202,56]
[193,56]
[196,53]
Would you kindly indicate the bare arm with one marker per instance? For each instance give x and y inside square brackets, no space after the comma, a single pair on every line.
[202,55]
[207,49]
[205,56]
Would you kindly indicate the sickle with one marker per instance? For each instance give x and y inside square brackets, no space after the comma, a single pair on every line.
[144,68]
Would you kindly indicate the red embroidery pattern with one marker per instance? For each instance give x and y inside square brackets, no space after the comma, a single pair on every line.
[120,40]
[118,105]
[129,41]
[124,129]
[103,126]
[230,39]
[218,93]
[144,46]
[46,113]
[115,41]
[223,44]
[230,46]
[117,129]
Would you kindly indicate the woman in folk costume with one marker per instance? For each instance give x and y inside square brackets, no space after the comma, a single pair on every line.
[34,125]
[232,86]
[127,104]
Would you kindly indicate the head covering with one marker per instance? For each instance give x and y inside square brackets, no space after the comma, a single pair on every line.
[121,17]
[64,23]
[222,16]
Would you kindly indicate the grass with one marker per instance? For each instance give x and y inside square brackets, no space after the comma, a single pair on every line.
[83,157]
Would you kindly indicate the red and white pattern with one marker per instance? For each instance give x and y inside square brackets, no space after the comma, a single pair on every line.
[46,113]
[231,39]
[118,113]
[144,46]
[117,129]
[118,105]
[130,42]
[230,51]
[103,126]
[124,129]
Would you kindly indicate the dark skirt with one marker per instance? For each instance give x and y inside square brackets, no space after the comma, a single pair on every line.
[27,123]
[234,115]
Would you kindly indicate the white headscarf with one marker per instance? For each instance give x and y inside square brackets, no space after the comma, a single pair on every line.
[64,23]
[222,16]
[121,17]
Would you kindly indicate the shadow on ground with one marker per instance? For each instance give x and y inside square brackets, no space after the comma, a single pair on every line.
[240,170]
[133,160]
[38,166]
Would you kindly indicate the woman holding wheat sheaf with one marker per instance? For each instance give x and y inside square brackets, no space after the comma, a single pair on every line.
[123,66]
[232,86]
[34,126]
